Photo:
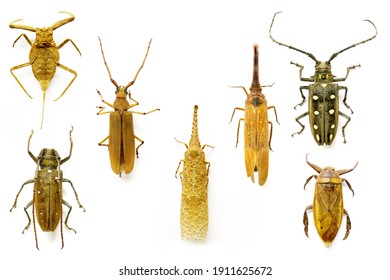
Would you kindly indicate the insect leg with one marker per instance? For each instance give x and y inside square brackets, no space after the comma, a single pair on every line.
[276,115]
[177,169]
[303,96]
[297,120]
[185,144]
[346,76]
[75,193]
[28,216]
[300,73]
[67,216]
[145,113]
[136,102]
[234,111]
[306,220]
[238,129]
[16,198]
[246,92]
[312,165]
[25,37]
[345,97]
[348,225]
[66,41]
[349,186]
[343,171]
[63,21]
[308,180]
[24,27]
[270,135]
[100,112]
[206,145]
[343,128]
[17,80]
[105,102]
[101,142]
[70,71]
[208,166]
[142,142]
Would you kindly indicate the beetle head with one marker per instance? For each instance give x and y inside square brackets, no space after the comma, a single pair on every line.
[48,159]
[44,36]
[323,72]
[121,92]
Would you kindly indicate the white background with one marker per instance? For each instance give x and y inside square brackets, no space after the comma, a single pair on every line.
[199,48]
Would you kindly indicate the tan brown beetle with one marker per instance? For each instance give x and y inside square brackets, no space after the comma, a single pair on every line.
[328,208]
[121,137]
[44,55]
[47,198]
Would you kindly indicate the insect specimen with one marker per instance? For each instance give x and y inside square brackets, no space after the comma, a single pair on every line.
[257,138]
[44,56]
[194,217]
[47,196]
[121,138]
[327,207]
[323,94]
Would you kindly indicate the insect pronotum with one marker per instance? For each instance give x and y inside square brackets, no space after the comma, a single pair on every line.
[121,138]
[194,217]
[257,137]
[44,56]
[328,207]
[47,195]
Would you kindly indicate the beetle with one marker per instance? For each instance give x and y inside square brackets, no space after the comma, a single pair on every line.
[44,56]
[47,195]
[121,145]
[323,95]
[328,207]
[194,215]
[257,138]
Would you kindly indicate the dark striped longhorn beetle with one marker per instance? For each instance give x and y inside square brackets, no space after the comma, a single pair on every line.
[47,195]
[323,94]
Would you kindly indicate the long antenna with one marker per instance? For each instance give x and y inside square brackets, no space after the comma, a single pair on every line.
[354,45]
[105,63]
[142,65]
[290,47]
